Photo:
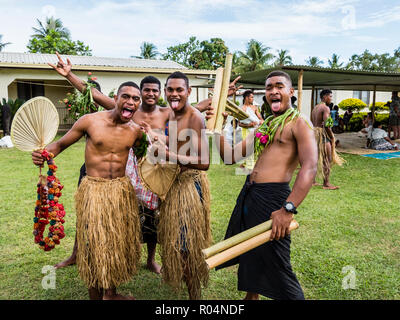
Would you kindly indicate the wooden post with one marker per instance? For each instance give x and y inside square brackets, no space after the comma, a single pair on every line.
[373,104]
[300,90]
[312,99]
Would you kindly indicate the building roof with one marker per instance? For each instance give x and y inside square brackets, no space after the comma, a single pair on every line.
[40,60]
[334,79]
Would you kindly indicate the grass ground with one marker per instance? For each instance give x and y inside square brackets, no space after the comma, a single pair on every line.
[357,226]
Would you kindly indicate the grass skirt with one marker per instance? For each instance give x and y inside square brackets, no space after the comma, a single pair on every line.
[322,138]
[184,230]
[108,231]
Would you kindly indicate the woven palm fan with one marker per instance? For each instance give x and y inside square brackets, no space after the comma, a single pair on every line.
[35,124]
[158,177]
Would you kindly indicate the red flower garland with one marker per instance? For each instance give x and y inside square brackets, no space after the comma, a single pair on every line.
[48,210]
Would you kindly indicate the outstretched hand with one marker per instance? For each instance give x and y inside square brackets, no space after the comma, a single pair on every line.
[61,67]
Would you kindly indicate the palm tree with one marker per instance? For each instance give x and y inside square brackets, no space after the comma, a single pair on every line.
[50,24]
[3,44]
[314,62]
[147,51]
[334,63]
[283,58]
[255,57]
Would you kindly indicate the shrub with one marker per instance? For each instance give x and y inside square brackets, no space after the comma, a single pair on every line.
[352,103]
[380,106]
[355,123]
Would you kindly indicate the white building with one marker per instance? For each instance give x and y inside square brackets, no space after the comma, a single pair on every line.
[26,75]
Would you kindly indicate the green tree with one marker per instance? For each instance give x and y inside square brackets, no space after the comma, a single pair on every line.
[207,54]
[3,44]
[211,55]
[181,53]
[50,24]
[375,62]
[147,51]
[334,62]
[55,42]
[314,62]
[283,58]
[255,57]
[52,36]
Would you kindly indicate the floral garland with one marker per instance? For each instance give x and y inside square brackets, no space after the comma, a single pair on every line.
[266,132]
[48,210]
[328,122]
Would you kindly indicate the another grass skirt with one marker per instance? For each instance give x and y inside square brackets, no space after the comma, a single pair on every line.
[184,230]
[108,231]
[322,138]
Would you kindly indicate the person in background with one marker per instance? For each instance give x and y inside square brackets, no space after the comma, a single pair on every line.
[378,138]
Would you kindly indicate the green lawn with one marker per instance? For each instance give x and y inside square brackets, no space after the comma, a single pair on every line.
[357,225]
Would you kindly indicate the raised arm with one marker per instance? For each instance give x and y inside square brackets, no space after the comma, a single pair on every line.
[73,135]
[64,69]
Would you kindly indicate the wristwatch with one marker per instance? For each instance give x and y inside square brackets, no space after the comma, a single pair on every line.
[289,207]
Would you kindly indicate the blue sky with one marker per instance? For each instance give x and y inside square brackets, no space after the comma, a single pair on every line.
[304,27]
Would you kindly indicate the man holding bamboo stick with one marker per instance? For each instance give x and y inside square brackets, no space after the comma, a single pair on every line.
[283,141]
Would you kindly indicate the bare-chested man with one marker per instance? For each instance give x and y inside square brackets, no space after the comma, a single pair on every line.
[108,227]
[325,137]
[184,224]
[266,195]
[157,118]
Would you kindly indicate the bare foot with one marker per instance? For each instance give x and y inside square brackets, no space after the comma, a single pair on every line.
[154,267]
[330,187]
[251,296]
[68,262]
[316,184]
[117,296]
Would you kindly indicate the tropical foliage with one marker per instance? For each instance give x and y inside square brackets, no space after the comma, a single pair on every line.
[3,44]
[352,104]
[256,57]
[52,36]
[283,58]
[147,51]
[314,62]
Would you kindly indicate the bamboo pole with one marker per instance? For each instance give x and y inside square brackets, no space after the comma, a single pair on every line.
[243,247]
[240,237]
[224,92]
[373,104]
[215,98]
[312,100]
[300,90]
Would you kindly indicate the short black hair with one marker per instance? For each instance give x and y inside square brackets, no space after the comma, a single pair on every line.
[150,79]
[178,75]
[246,94]
[128,84]
[293,99]
[376,124]
[279,73]
[96,84]
[324,93]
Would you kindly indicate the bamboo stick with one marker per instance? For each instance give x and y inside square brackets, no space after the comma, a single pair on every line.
[240,237]
[243,247]
[215,98]
[235,111]
[224,92]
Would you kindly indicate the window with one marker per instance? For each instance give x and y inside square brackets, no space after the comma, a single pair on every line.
[28,90]
[362,95]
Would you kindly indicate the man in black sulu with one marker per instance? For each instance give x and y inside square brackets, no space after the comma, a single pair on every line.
[266,194]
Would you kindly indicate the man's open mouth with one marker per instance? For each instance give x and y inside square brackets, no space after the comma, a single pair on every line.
[174,103]
[127,112]
[275,104]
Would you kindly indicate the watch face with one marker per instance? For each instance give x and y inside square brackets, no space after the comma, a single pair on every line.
[289,206]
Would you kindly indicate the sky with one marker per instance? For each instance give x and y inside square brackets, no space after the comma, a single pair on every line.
[304,27]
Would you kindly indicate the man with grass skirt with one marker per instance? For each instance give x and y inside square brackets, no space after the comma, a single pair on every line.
[157,117]
[281,143]
[184,223]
